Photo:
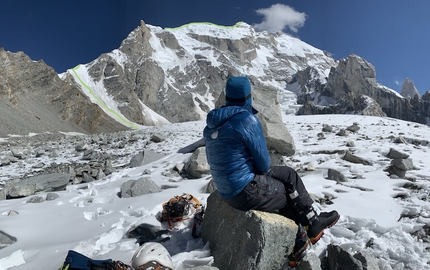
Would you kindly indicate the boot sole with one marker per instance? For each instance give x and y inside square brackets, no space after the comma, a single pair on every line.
[315,239]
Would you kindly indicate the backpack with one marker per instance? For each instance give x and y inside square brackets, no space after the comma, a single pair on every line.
[77,261]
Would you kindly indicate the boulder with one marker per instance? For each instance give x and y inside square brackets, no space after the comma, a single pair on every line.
[403,164]
[355,159]
[336,175]
[36,199]
[40,183]
[157,138]
[266,101]
[369,262]
[246,240]
[309,262]
[142,186]
[339,259]
[209,187]
[277,135]
[6,240]
[354,127]
[137,159]
[395,154]
[52,196]
[197,165]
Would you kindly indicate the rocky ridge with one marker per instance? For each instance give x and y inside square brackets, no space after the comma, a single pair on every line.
[352,88]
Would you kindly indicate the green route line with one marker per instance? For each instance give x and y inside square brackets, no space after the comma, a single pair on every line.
[125,121]
[206,23]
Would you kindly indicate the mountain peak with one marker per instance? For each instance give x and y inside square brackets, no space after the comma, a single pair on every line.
[408,89]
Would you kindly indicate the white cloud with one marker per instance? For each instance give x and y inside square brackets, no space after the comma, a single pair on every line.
[278,17]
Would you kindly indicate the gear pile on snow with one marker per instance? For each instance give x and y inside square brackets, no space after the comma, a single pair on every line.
[182,207]
[151,255]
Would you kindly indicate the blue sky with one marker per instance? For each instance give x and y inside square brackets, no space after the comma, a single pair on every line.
[393,35]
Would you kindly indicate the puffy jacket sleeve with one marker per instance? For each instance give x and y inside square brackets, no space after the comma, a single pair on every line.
[255,141]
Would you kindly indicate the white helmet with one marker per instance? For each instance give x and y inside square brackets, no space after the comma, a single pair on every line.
[152,251]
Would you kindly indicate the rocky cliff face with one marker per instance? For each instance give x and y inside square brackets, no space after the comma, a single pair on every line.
[422,106]
[352,88]
[34,99]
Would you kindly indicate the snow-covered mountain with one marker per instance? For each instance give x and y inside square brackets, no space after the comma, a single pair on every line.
[176,74]
[159,76]
[167,75]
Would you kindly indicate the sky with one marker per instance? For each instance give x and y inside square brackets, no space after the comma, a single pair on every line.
[393,35]
[91,219]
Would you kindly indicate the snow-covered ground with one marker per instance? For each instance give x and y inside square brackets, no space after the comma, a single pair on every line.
[92,219]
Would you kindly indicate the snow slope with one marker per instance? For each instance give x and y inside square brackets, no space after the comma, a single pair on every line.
[93,220]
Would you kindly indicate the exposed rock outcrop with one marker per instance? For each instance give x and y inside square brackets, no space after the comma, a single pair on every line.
[246,240]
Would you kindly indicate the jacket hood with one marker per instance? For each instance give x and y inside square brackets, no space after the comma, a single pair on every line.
[218,117]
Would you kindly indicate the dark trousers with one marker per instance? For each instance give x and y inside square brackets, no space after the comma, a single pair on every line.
[269,193]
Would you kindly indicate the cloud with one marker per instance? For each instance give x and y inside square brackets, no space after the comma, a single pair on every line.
[278,17]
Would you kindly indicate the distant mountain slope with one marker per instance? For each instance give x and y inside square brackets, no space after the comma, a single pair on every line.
[34,99]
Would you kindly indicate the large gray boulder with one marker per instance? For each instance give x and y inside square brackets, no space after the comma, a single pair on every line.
[265,100]
[278,138]
[6,240]
[40,183]
[197,165]
[142,186]
[246,240]
[339,259]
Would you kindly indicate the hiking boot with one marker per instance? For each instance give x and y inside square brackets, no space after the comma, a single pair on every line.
[323,221]
[299,250]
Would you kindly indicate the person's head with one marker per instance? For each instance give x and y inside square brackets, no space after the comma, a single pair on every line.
[238,93]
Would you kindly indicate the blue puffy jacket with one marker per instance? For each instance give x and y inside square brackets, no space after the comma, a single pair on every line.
[235,148]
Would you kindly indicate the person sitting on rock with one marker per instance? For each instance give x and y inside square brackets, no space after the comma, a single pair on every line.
[240,166]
